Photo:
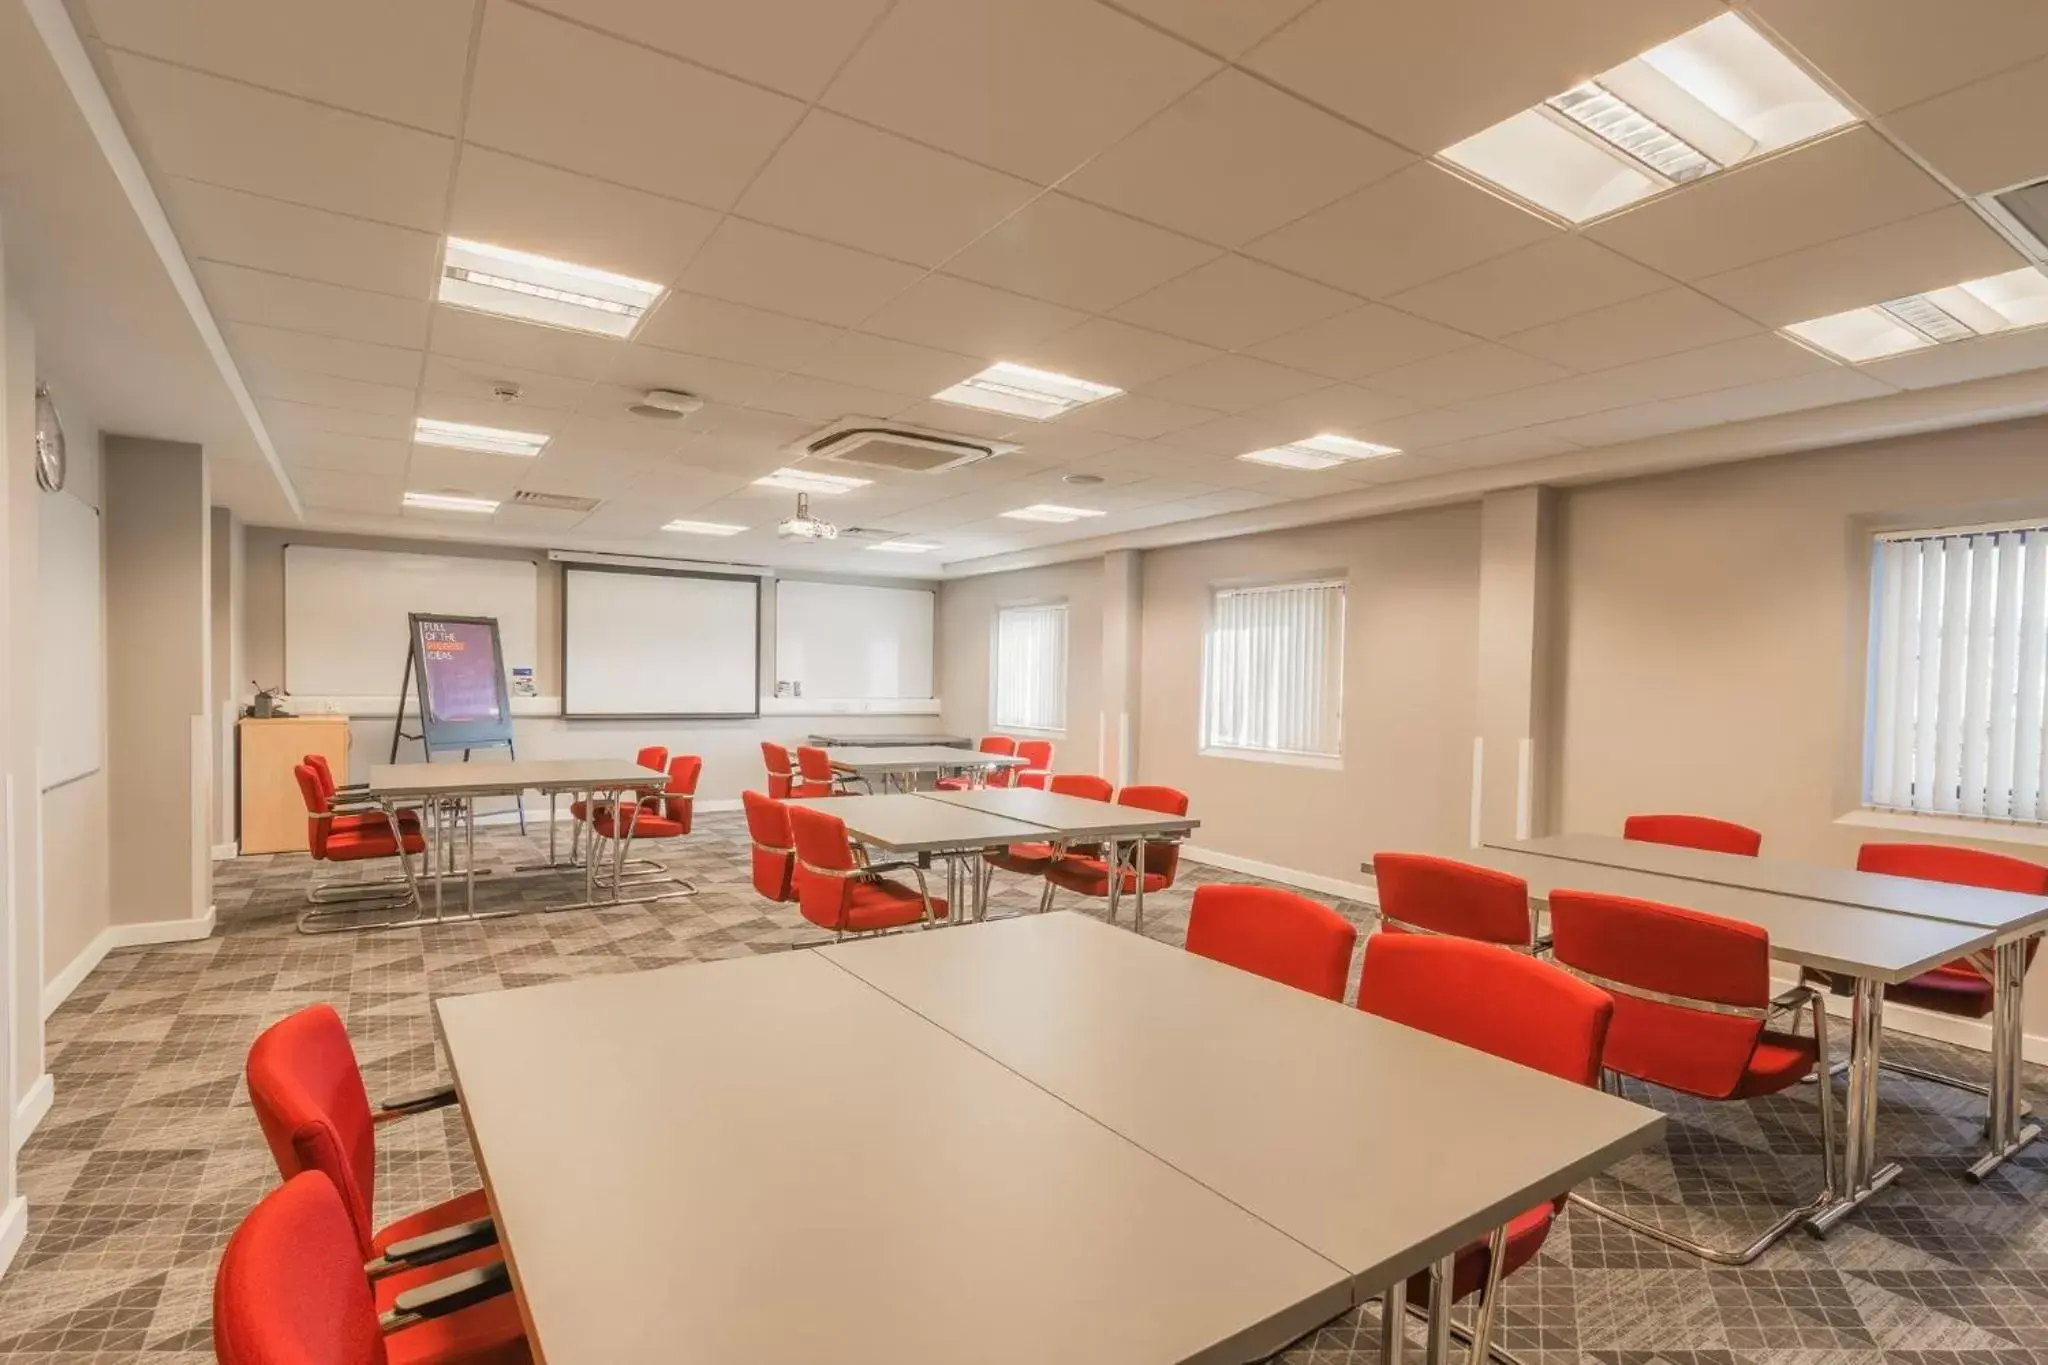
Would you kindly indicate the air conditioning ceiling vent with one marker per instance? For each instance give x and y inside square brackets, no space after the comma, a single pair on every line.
[560,502]
[2025,207]
[867,443]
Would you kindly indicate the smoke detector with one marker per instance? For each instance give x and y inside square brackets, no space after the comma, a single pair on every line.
[804,526]
[869,443]
[665,405]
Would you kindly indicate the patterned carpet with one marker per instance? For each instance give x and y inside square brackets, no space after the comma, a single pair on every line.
[150,1153]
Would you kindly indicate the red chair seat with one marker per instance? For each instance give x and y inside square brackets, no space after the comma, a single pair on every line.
[1948,989]
[643,824]
[879,903]
[1781,1061]
[954,784]
[1468,1275]
[1090,877]
[1029,859]
[370,841]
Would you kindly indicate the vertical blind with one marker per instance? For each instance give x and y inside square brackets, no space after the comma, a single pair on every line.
[1959,650]
[1273,669]
[1029,675]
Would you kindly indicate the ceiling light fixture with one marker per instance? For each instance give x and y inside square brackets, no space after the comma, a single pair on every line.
[703,528]
[1020,391]
[907,547]
[451,502]
[429,431]
[1050,511]
[804,526]
[1711,98]
[518,284]
[1996,303]
[1319,452]
[811,481]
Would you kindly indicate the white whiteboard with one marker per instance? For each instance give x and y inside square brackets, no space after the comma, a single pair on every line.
[71,639]
[839,642]
[345,613]
[640,643]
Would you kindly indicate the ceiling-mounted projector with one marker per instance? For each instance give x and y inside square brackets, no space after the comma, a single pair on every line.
[804,526]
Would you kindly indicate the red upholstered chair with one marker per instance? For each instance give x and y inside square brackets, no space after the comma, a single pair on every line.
[654,756]
[1031,860]
[1275,934]
[291,1290]
[348,839]
[1037,756]
[1001,745]
[1087,874]
[815,774]
[1515,1006]
[781,774]
[1428,895]
[1693,1013]
[837,888]
[355,809]
[666,815]
[774,846]
[307,1091]
[1693,831]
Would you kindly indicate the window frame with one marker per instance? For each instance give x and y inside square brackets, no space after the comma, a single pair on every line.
[1293,758]
[995,658]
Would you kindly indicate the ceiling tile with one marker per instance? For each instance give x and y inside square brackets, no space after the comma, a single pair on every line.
[1136,416]
[1233,302]
[1471,373]
[1440,426]
[504,341]
[1077,254]
[733,331]
[1542,283]
[1509,447]
[1218,438]
[1724,365]
[1340,408]
[1985,136]
[790,45]
[1112,352]
[854,185]
[1960,361]
[1561,398]
[324,355]
[325,390]
[1225,27]
[365,455]
[1414,226]
[339,491]
[516,203]
[1360,342]
[1637,422]
[205,128]
[1280,158]
[800,395]
[1847,183]
[964,421]
[1661,323]
[640,118]
[973,319]
[292,419]
[1886,54]
[1836,385]
[1430,75]
[784,273]
[640,368]
[895,366]
[1032,89]
[1233,383]
[543,398]
[245,229]
[237,294]
[1932,251]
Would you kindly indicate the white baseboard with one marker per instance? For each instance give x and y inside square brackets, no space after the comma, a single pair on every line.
[115,936]
[33,1106]
[225,851]
[13,1230]
[1287,876]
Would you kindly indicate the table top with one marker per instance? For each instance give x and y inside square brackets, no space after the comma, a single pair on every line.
[1380,1147]
[543,774]
[2007,911]
[765,1161]
[1832,937]
[893,741]
[904,822]
[905,758]
[1068,815]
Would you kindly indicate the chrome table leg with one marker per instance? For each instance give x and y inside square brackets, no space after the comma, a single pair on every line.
[1393,1317]
[2008,1132]
[1436,1348]
[1862,1177]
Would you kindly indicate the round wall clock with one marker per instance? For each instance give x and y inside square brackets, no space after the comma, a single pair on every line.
[49,441]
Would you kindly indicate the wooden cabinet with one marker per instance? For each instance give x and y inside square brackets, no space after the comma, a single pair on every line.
[273,811]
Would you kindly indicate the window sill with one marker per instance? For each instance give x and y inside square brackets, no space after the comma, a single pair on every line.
[1322,761]
[1032,730]
[1948,826]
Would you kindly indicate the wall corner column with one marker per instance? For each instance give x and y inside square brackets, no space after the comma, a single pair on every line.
[1123,588]
[1518,533]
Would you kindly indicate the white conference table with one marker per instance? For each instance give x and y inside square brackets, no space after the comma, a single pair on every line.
[776,1160]
[1872,947]
[904,761]
[2016,917]
[912,824]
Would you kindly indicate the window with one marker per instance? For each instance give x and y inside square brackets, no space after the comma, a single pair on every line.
[1958,651]
[1028,678]
[1273,670]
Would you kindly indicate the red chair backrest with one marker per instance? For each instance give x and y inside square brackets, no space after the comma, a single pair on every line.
[813,763]
[1275,934]
[774,845]
[1489,997]
[1693,831]
[653,756]
[322,770]
[1160,858]
[1084,785]
[1671,951]
[290,1289]
[1443,896]
[1006,747]
[681,791]
[821,844]
[776,757]
[309,1099]
[316,807]
[1949,863]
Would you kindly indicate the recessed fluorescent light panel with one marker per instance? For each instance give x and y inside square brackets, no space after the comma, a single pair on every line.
[1997,303]
[428,431]
[1709,99]
[517,284]
[450,502]
[1051,511]
[1319,452]
[810,481]
[1021,391]
[704,528]
[906,547]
